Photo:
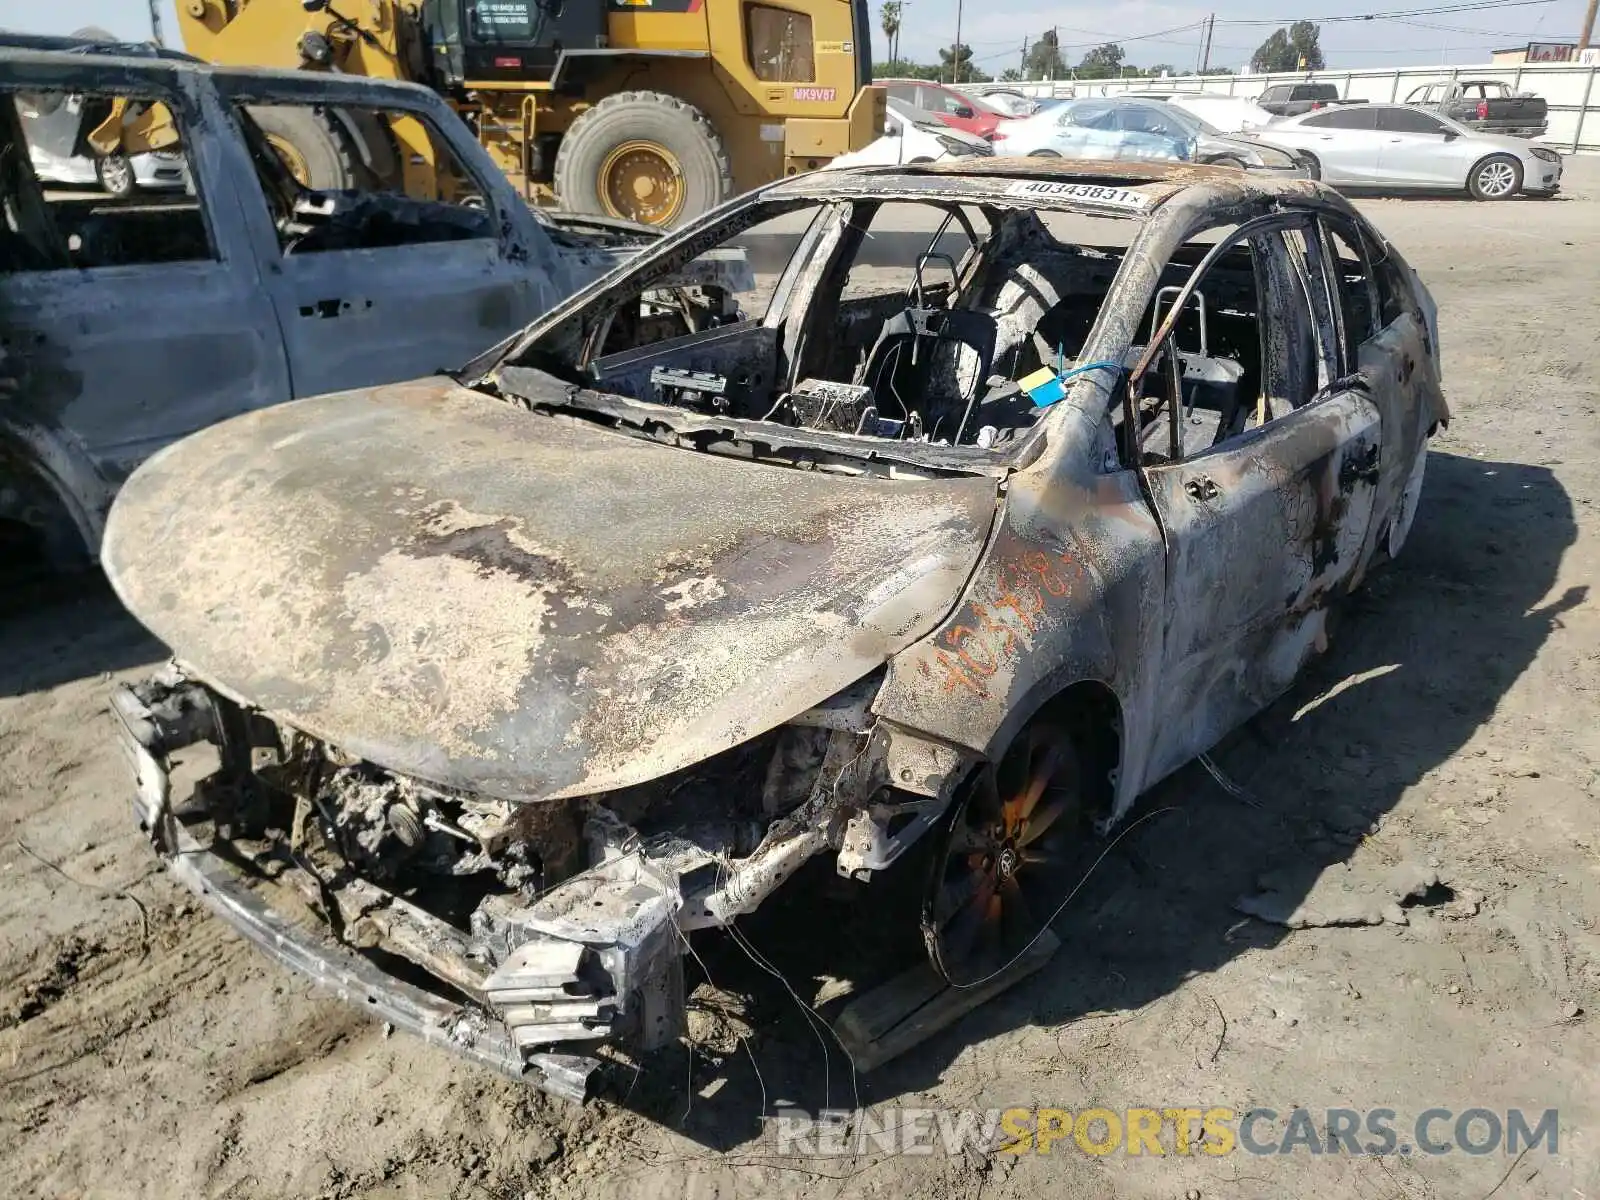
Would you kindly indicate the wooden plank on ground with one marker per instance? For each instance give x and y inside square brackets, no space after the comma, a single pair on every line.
[910,1008]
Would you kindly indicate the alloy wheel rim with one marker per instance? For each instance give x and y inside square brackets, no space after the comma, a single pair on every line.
[1496,179]
[292,158]
[1003,865]
[115,172]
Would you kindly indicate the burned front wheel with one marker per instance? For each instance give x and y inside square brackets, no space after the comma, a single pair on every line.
[1004,863]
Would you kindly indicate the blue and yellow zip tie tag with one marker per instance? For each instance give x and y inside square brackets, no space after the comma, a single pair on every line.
[1044,387]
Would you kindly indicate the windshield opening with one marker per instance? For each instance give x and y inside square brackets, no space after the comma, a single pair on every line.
[923,323]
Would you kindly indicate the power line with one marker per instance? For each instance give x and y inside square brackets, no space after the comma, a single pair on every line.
[1158,36]
[1495,33]
[1421,50]
[1397,15]
[1105,38]
[1473,6]
[1138,37]
[1142,37]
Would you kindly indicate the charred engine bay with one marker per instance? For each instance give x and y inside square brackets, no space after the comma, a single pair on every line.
[448,880]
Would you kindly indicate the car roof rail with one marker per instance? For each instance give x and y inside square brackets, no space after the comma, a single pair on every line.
[81,45]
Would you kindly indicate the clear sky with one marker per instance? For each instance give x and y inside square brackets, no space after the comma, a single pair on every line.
[995,29]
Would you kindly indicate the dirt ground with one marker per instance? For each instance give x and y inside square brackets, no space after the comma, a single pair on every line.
[1454,725]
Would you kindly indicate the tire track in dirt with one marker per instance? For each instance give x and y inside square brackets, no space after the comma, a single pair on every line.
[87,993]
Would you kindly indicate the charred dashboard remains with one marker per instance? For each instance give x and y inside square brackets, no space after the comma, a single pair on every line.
[931,334]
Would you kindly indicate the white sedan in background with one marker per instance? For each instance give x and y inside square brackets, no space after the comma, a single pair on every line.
[913,135]
[54,126]
[1011,103]
[1231,114]
[1397,147]
[116,173]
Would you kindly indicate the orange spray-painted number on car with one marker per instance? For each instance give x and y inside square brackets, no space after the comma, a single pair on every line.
[983,645]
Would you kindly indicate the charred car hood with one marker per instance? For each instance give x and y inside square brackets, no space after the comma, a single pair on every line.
[522,605]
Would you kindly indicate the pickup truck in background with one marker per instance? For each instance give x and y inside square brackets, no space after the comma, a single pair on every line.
[1486,105]
[1292,99]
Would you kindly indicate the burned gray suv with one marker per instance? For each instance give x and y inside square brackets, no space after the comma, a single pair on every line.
[1006,489]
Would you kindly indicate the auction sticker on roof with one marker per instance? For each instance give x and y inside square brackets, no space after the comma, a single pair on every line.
[1114,197]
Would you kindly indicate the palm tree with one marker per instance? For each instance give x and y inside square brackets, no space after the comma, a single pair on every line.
[890,20]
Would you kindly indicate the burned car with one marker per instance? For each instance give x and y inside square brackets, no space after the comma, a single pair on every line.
[1011,487]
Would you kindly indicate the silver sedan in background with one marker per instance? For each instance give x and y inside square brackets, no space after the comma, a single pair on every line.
[1396,147]
[1083,129]
[1139,128]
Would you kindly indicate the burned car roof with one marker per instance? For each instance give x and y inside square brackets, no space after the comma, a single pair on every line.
[1008,179]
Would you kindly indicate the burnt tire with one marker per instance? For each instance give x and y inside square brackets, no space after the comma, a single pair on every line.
[316,152]
[705,172]
[1008,857]
[36,525]
[1498,177]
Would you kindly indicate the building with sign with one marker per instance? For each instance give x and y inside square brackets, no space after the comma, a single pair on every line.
[1538,52]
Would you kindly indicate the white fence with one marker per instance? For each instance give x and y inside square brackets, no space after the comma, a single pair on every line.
[1568,89]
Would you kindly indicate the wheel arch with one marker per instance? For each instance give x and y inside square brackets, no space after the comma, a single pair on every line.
[1092,709]
[46,460]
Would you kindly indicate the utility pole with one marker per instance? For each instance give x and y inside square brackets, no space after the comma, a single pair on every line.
[1587,35]
[155,22]
[955,52]
[1022,67]
[1205,55]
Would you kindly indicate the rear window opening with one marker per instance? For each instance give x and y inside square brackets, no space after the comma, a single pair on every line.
[114,180]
